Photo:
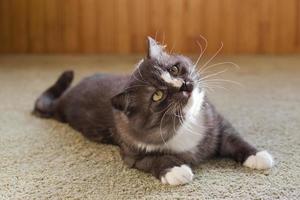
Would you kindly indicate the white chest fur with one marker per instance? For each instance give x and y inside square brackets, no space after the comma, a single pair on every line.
[190,133]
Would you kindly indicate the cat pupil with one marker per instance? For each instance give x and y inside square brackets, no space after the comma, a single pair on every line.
[174,70]
[157,95]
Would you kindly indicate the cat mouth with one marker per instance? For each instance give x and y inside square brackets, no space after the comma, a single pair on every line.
[186,94]
[186,89]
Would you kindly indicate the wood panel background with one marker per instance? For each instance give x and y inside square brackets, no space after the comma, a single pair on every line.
[121,26]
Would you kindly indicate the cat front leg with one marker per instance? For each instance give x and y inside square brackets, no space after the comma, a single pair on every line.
[169,169]
[234,146]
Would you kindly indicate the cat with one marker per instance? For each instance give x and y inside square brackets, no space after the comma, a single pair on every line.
[159,116]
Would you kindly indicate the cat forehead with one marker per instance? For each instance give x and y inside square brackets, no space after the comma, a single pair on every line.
[149,68]
[162,80]
[166,60]
[156,73]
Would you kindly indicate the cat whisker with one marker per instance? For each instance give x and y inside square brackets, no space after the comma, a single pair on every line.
[215,54]
[180,113]
[160,126]
[202,51]
[222,80]
[186,126]
[156,32]
[164,38]
[174,118]
[133,75]
[174,128]
[139,70]
[173,46]
[163,109]
[194,74]
[236,66]
[196,125]
[214,86]
[211,75]
[210,90]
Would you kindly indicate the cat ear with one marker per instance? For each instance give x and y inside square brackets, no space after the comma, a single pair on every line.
[121,101]
[155,50]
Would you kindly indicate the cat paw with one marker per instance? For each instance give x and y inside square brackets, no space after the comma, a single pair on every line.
[178,175]
[262,160]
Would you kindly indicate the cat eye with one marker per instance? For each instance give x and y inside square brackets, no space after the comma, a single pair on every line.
[174,70]
[158,95]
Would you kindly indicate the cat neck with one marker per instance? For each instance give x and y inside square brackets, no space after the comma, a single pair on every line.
[190,132]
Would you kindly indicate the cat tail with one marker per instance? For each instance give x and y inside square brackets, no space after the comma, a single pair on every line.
[44,106]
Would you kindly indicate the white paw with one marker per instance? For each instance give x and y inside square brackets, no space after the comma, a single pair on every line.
[262,160]
[178,176]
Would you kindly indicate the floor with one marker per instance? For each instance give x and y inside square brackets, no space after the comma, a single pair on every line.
[43,159]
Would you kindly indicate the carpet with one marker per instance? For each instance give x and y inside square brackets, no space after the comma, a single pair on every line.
[44,159]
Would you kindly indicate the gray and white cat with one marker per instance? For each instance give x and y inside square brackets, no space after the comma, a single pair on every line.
[159,116]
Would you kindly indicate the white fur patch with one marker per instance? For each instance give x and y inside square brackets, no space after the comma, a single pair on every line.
[176,82]
[262,160]
[190,133]
[178,176]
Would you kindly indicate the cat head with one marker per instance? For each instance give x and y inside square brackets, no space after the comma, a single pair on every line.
[157,92]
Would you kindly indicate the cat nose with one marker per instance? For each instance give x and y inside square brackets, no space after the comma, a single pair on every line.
[187,87]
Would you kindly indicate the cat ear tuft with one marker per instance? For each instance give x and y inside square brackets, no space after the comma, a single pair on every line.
[155,50]
[121,101]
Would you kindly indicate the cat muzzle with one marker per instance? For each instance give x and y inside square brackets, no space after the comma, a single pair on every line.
[187,87]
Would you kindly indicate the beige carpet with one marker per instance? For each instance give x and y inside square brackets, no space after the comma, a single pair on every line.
[43,159]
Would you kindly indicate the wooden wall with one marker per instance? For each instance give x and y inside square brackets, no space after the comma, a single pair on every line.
[121,26]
